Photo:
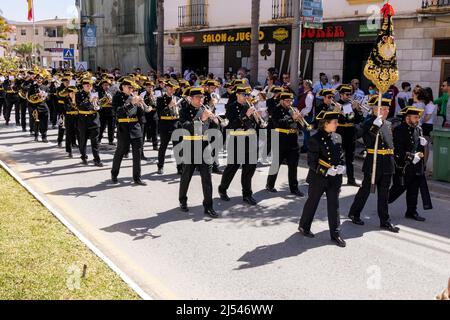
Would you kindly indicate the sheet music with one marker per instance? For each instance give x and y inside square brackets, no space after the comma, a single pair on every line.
[347,108]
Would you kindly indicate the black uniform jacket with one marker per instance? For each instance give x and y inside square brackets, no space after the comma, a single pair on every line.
[324,152]
[91,120]
[123,110]
[385,163]
[407,144]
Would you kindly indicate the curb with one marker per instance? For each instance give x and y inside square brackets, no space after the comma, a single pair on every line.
[133,285]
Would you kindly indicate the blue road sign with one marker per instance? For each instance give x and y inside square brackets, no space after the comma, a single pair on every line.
[68,54]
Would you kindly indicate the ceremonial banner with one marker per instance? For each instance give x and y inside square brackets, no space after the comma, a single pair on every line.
[381,68]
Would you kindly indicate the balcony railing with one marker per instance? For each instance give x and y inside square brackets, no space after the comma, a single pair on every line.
[194,15]
[435,6]
[282,9]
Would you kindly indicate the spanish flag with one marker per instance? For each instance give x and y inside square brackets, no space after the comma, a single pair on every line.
[30,10]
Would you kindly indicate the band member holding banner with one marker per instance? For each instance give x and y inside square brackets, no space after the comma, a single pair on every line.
[325,175]
[242,145]
[409,157]
[128,108]
[168,112]
[195,119]
[377,126]
[286,120]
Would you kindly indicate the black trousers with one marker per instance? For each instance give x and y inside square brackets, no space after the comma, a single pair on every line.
[23,113]
[331,186]
[383,182]
[2,106]
[107,122]
[41,126]
[32,120]
[72,134]
[123,147]
[349,150]
[292,157]
[91,134]
[10,104]
[151,130]
[166,137]
[205,174]
[411,186]
[248,171]
[53,113]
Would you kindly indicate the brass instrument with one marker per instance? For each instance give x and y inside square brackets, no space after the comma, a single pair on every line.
[174,106]
[301,121]
[141,103]
[259,120]
[36,98]
[106,101]
[218,119]
[95,103]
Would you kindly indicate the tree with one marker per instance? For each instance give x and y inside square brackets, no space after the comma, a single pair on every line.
[160,42]
[25,51]
[254,50]
[4,29]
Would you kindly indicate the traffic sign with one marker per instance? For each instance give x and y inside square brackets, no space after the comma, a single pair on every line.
[68,54]
[81,66]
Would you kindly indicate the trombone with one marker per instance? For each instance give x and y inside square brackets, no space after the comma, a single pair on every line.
[301,121]
[259,120]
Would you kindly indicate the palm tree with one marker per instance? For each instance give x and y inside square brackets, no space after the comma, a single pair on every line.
[25,51]
[160,42]
[254,50]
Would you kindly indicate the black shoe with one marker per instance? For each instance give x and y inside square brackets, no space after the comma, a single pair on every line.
[356,220]
[140,183]
[353,183]
[389,227]
[7,123]
[298,193]
[98,164]
[160,171]
[126,156]
[210,212]
[70,155]
[250,200]
[415,217]
[36,139]
[427,207]
[114,180]
[224,196]
[179,171]
[24,130]
[216,170]
[84,161]
[271,190]
[44,140]
[59,144]
[184,207]
[155,148]
[339,241]
[305,233]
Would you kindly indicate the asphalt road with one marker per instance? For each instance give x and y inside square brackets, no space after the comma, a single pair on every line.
[250,252]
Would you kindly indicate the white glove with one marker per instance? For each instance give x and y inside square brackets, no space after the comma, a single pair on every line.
[332,172]
[416,159]
[341,170]
[378,122]
[423,141]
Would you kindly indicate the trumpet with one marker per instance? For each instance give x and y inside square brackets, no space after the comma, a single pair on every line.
[218,119]
[174,106]
[141,103]
[301,121]
[259,120]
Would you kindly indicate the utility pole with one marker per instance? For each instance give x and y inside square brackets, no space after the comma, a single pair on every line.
[80,31]
[254,46]
[296,45]
[160,42]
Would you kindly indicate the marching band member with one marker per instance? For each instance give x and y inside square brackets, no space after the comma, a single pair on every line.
[242,124]
[71,119]
[88,121]
[106,112]
[168,113]
[23,88]
[11,99]
[128,108]
[325,175]
[385,166]
[151,118]
[37,99]
[285,121]
[409,149]
[210,88]
[60,108]
[327,103]
[196,119]
[350,116]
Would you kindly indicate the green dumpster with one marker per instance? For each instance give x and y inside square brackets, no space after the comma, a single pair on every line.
[441,154]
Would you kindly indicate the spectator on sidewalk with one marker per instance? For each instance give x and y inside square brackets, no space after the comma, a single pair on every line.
[442,101]
[403,97]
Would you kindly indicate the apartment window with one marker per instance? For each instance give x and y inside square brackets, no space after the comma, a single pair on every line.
[59,44]
[441,47]
[127,21]
[50,32]
[36,32]
[23,32]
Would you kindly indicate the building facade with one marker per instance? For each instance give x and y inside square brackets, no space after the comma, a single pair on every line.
[50,37]
[214,35]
